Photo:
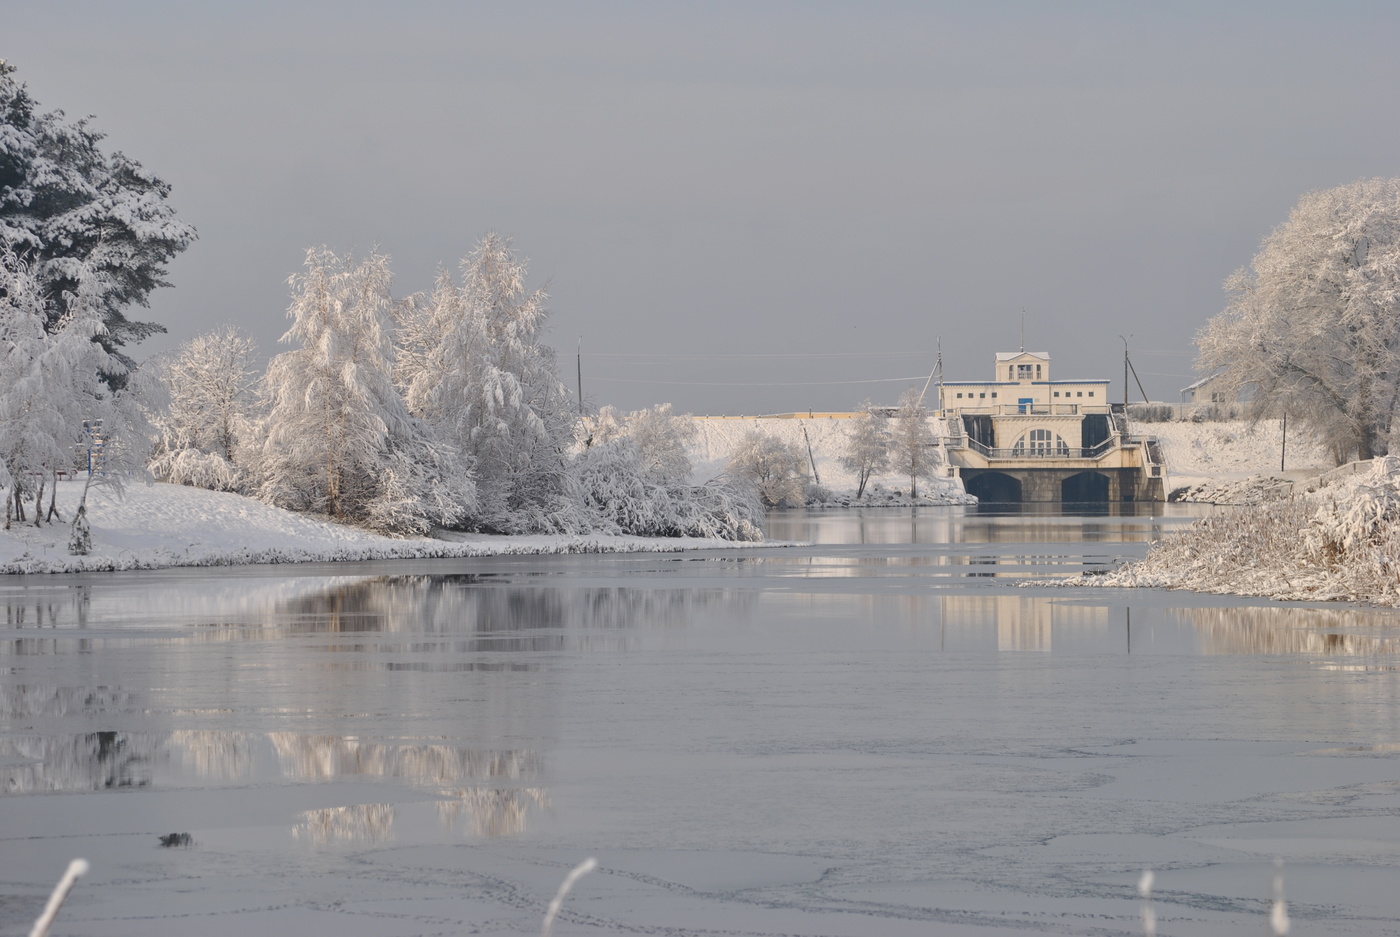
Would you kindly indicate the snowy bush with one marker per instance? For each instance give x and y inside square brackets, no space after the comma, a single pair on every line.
[1341,542]
[615,485]
[776,469]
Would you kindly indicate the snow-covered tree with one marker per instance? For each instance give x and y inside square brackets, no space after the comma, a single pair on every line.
[776,469]
[209,383]
[475,367]
[867,446]
[1313,322]
[661,439]
[68,210]
[338,438]
[913,451]
[52,392]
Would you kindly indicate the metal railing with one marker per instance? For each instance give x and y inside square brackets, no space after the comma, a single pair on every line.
[1029,409]
[1027,452]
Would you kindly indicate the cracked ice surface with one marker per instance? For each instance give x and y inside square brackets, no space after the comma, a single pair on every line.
[876,734]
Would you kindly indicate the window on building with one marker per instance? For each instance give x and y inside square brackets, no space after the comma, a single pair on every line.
[994,395]
[959,396]
[1024,371]
[1040,442]
[1079,393]
[983,394]
[1037,372]
[1057,393]
[1091,393]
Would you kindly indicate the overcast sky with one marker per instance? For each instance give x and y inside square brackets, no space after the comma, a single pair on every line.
[743,207]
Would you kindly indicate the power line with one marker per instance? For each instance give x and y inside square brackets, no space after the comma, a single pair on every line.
[882,380]
[858,354]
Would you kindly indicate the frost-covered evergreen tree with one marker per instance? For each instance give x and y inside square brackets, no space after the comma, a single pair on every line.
[867,446]
[1313,323]
[338,438]
[476,368]
[776,469]
[69,210]
[913,450]
[209,385]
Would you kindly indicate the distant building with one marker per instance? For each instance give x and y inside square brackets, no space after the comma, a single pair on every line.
[1213,389]
[1024,436]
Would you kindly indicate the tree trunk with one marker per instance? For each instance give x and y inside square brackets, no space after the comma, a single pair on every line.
[53,502]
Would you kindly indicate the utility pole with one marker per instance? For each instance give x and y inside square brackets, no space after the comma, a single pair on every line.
[1125,369]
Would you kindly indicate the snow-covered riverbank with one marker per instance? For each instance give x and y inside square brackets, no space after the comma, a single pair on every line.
[161,525]
[1340,542]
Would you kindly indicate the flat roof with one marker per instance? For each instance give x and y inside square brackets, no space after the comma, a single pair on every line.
[1086,380]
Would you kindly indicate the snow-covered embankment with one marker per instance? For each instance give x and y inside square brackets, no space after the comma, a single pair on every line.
[161,525]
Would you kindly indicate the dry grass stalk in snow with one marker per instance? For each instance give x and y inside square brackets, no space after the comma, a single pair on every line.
[1339,543]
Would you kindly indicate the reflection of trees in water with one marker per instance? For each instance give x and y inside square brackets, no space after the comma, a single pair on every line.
[79,761]
[27,701]
[92,761]
[359,825]
[484,612]
[484,811]
[214,755]
[327,757]
[62,607]
[1328,632]
[493,613]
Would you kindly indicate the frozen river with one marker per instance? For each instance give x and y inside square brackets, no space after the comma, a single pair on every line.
[880,734]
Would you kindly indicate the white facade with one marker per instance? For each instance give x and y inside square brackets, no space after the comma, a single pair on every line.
[1021,379]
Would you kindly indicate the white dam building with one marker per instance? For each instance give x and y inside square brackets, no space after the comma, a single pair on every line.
[1024,436]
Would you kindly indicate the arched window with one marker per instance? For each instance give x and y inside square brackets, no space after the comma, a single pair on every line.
[1040,442]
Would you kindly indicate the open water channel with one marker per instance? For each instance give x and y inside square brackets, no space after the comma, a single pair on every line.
[877,734]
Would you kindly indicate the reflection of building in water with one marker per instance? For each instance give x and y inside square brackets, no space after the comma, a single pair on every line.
[1022,623]
[356,825]
[1325,632]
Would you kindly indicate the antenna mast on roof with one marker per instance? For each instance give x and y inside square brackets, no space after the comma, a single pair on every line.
[1023,329]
